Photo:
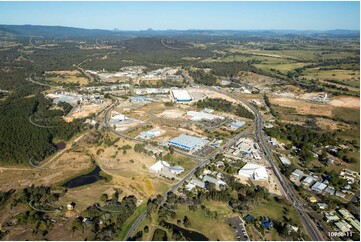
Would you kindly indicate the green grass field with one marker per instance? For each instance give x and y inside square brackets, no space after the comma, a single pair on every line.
[201,223]
[284,68]
[346,114]
[348,77]
[274,211]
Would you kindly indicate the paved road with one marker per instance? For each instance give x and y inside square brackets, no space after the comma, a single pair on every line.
[40,83]
[201,162]
[308,223]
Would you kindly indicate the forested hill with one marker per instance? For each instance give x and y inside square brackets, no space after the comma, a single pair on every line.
[20,139]
[55,31]
[71,32]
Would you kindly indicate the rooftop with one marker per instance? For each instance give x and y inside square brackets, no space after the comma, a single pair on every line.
[319,186]
[181,95]
[187,142]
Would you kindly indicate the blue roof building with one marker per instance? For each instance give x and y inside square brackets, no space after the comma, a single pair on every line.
[187,142]
[249,218]
[267,223]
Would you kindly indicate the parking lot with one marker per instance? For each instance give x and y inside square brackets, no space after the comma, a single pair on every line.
[204,151]
[240,230]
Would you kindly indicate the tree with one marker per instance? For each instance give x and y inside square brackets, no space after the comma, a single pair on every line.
[104,197]
[171,150]
[186,221]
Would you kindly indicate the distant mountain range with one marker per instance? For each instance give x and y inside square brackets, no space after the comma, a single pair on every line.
[69,32]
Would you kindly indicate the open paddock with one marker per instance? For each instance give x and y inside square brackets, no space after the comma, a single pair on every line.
[303,107]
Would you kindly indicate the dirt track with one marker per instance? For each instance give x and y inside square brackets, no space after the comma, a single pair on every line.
[347,102]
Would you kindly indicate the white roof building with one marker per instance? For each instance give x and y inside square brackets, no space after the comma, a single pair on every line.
[176,170]
[181,96]
[330,190]
[190,186]
[297,174]
[208,110]
[253,172]
[159,166]
[150,134]
[285,161]
[319,187]
[237,124]
[197,183]
[117,118]
[165,168]
[322,205]
[308,181]
[213,180]
[198,116]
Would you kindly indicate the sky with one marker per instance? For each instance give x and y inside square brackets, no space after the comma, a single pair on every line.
[186,15]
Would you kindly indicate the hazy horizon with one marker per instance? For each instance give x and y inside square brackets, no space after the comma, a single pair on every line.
[134,16]
[190,29]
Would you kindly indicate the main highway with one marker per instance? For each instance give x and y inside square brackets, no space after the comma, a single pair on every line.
[310,226]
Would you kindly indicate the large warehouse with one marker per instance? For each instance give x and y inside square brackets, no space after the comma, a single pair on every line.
[187,142]
[198,116]
[181,96]
[253,172]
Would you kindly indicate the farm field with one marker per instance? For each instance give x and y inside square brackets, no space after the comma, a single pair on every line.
[282,67]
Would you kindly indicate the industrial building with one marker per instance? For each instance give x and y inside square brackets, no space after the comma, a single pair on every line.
[140,99]
[165,168]
[146,91]
[208,110]
[247,147]
[149,134]
[159,166]
[198,116]
[237,124]
[254,172]
[181,96]
[177,170]
[116,117]
[285,161]
[187,142]
[65,97]
[296,175]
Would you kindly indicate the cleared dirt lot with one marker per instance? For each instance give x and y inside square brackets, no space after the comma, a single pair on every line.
[174,113]
[130,171]
[63,77]
[347,102]
[85,110]
[303,107]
